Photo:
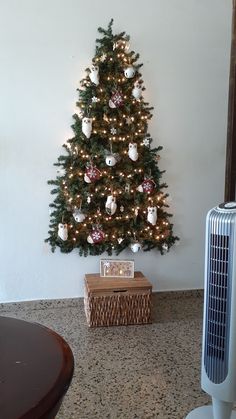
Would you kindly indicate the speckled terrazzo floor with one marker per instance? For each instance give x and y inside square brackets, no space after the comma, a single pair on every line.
[133,372]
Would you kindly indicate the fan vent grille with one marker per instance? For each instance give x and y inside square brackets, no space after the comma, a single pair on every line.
[218,298]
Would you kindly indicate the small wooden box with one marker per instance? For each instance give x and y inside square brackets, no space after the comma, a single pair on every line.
[116,301]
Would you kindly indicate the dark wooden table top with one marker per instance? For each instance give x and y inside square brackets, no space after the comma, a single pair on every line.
[36,368]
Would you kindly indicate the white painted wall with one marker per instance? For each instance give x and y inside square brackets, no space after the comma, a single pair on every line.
[44,47]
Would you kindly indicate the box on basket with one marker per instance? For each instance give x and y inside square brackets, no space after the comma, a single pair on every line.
[115,301]
[115,268]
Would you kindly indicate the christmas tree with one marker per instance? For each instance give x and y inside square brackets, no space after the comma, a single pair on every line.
[109,193]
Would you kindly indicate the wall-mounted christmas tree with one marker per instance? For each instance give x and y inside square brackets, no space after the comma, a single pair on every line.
[109,194]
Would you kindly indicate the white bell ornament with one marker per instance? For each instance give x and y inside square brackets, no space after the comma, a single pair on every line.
[78,215]
[111,160]
[152,215]
[135,247]
[111,205]
[94,74]
[133,153]
[129,72]
[87,126]
[63,231]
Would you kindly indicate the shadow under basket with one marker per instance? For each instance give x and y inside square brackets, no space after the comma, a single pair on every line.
[117,301]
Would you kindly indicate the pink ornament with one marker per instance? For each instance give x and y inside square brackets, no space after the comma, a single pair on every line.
[97,236]
[92,174]
[116,100]
[148,185]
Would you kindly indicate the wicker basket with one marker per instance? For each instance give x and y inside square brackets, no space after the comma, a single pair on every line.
[113,302]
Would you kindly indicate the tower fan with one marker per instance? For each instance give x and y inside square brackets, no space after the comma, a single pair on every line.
[218,371]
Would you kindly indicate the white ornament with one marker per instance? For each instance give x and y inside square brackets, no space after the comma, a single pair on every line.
[111,160]
[87,126]
[146,142]
[111,205]
[128,120]
[137,90]
[165,247]
[89,199]
[120,240]
[87,179]
[95,99]
[132,153]
[111,104]
[113,131]
[90,240]
[127,188]
[63,231]
[152,215]
[135,247]
[94,74]
[129,72]
[103,57]
[140,188]
[79,112]
[122,208]
[78,215]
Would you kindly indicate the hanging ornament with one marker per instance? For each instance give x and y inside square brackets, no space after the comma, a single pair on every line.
[135,247]
[95,99]
[152,215]
[120,240]
[89,199]
[157,158]
[92,174]
[96,236]
[63,231]
[147,186]
[113,131]
[94,74]
[132,153]
[127,188]
[165,247]
[105,117]
[128,120]
[78,215]
[137,90]
[111,205]
[122,208]
[136,212]
[146,142]
[116,100]
[87,126]
[79,112]
[111,158]
[103,57]
[129,72]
